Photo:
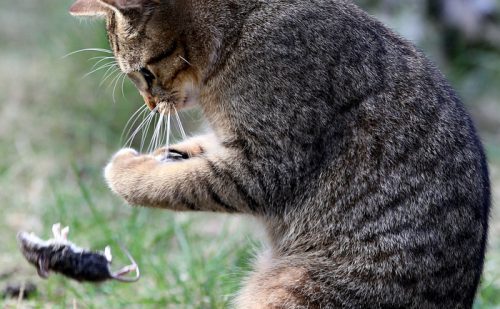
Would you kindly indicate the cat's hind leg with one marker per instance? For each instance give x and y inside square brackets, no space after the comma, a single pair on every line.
[274,285]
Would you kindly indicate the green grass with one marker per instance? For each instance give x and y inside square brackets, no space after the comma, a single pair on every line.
[191,260]
[57,131]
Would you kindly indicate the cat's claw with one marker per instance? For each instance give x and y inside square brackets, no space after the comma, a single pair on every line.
[166,154]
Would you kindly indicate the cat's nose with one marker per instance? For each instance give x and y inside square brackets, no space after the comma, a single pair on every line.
[149,99]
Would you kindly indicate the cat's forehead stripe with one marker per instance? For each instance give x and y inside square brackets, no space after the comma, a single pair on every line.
[165,54]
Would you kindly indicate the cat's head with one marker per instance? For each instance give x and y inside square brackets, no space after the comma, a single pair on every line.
[147,38]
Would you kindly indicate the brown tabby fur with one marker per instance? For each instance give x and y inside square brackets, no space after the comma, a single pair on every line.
[339,136]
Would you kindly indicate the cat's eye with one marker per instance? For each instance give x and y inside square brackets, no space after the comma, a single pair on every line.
[148,76]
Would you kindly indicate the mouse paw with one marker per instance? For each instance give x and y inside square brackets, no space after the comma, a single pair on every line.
[60,234]
[107,254]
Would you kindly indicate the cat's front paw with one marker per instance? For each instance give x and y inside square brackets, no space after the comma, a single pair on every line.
[190,148]
[126,171]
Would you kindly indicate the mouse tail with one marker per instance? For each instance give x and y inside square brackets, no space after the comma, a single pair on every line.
[121,275]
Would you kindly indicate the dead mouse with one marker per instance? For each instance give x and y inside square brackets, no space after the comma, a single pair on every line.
[62,256]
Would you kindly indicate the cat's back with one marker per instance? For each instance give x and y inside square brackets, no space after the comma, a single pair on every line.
[330,65]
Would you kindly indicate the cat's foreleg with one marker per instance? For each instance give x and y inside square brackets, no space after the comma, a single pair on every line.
[203,183]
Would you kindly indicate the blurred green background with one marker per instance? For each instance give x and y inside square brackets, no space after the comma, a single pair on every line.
[58,129]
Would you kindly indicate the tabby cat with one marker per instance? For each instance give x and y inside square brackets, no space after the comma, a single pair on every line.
[341,137]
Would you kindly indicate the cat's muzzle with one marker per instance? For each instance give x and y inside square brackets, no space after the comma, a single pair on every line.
[149,99]
[143,81]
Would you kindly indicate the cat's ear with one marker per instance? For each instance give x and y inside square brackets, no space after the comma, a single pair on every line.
[129,4]
[89,8]
[103,7]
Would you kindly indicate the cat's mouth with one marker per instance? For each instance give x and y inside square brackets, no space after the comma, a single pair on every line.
[150,101]
[162,103]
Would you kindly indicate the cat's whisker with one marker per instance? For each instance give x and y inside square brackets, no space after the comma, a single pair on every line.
[102,57]
[147,116]
[158,139]
[155,141]
[184,59]
[107,65]
[109,72]
[163,131]
[144,115]
[151,121]
[167,144]
[112,60]
[102,50]
[179,124]
[144,124]
[131,121]
[113,76]
[123,83]
[164,135]
[145,132]
[117,79]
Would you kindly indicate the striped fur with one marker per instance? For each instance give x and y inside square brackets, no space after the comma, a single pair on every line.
[340,136]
